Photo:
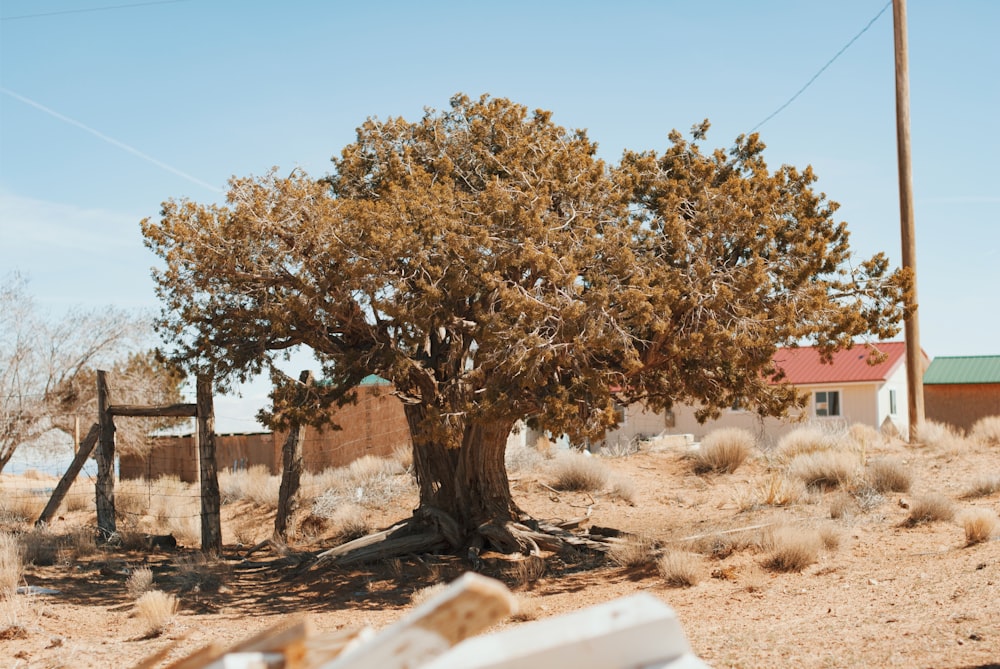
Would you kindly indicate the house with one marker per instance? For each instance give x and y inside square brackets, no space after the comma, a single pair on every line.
[962,389]
[847,391]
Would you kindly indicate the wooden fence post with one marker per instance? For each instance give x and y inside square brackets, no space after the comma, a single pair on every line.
[86,446]
[291,466]
[105,488]
[211,520]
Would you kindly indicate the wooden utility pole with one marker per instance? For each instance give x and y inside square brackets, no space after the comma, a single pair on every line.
[211,517]
[914,356]
[105,488]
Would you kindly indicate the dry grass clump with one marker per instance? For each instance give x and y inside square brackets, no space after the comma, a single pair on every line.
[842,505]
[200,573]
[638,551]
[133,499]
[987,431]
[830,536]
[937,436]
[777,490]
[11,564]
[255,485]
[792,548]
[522,458]
[577,471]
[825,469]
[984,486]
[157,610]
[623,489]
[888,475]
[865,437]
[980,525]
[20,506]
[139,582]
[369,481]
[808,439]
[929,509]
[349,521]
[41,547]
[79,497]
[679,569]
[723,451]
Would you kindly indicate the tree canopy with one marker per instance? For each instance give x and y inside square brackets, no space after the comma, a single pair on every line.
[489,265]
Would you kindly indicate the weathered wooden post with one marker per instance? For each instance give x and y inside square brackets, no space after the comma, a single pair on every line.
[211,520]
[105,488]
[67,480]
[291,465]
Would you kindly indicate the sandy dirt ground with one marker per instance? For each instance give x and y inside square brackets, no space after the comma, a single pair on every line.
[882,593]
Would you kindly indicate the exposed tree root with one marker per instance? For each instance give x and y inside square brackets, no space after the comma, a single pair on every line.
[432,530]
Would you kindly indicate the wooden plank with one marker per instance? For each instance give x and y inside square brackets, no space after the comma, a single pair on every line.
[211,515]
[86,446]
[627,633]
[105,486]
[466,607]
[162,411]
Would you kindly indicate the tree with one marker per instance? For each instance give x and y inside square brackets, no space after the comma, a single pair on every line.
[47,368]
[492,268]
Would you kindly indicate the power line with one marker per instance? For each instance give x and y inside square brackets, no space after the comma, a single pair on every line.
[90,9]
[823,69]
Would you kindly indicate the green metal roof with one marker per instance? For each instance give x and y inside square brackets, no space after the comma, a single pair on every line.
[963,369]
[374,380]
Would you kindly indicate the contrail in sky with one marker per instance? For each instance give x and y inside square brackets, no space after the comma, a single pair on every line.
[111,140]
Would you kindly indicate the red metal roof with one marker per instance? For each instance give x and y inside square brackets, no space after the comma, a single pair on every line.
[802,366]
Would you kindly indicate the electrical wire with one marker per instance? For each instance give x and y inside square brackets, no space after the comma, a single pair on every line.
[823,69]
[90,9]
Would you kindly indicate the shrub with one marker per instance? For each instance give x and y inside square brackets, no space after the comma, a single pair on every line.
[792,549]
[255,485]
[679,569]
[11,564]
[634,552]
[624,489]
[987,431]
[983,487]
[806,439]
[723,451]
[888,475]
[980,525]
[156,609]
[936,435]
[139,582]
[930,508]
[824,469]
[576,471]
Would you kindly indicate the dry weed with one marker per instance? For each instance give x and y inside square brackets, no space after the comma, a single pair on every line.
[139,582]
[255,485]
[830,536]
[423,594]
[792,548]
[679,569]
[824,469]
[577,471]
[980,525]
[348,522]
[11,563]
[41,547]
[79,497]
[723,451]
[777,490]
[623,489]
[842,505]
[804,440]
[929,509]
[199,573]
[984,486]
[522,459]
[938,436]
[987,431]
[637,551]
[20,506]
[157,610]
[888,475]
[754,579]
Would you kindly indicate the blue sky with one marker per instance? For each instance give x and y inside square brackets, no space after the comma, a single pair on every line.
[109,107]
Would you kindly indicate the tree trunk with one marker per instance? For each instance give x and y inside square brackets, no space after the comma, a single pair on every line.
[466,488]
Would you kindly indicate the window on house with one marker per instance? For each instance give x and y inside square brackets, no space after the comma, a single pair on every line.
[828,403]
[892,402]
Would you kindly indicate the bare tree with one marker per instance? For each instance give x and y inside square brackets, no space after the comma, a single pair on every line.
[47,367]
